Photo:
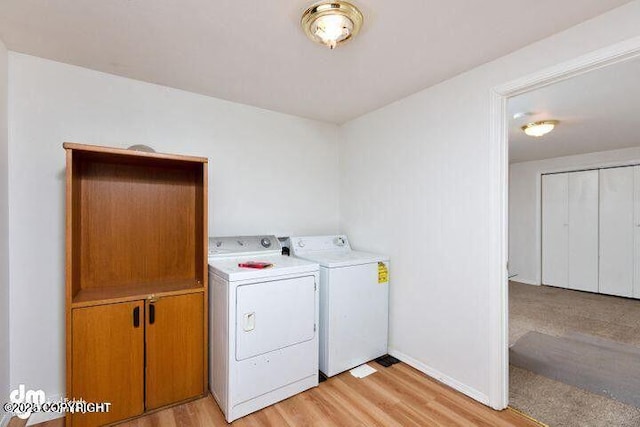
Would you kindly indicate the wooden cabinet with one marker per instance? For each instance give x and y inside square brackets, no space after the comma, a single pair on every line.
[136,280]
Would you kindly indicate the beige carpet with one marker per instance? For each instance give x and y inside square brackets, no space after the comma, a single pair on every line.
[558,312]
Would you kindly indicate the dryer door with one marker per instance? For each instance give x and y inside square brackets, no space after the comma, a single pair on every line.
[273,315]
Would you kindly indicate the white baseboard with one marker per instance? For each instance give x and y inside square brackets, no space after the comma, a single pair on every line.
[33,419]
[41,417]
[434,373]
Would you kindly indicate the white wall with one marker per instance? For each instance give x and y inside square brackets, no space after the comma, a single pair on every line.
[416,184]
[4,232]
[269,173]
[525,205]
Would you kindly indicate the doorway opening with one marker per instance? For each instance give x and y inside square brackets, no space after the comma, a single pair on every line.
[572,345]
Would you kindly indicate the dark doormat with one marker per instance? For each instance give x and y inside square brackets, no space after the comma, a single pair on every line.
[601,366]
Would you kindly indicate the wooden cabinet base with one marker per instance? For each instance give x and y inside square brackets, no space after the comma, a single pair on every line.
[137,356]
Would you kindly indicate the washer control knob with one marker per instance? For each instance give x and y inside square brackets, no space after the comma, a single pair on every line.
[301,243]
[339,241]
[265,242]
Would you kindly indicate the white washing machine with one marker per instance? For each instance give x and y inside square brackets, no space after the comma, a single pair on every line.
[263,324]
[354,301]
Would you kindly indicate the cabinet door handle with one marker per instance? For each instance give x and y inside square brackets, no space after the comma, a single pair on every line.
[152,314]
[136,317]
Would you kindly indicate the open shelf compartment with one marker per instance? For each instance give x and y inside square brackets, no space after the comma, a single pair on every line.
[136,224]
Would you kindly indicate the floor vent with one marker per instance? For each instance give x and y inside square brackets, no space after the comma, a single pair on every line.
[387,360]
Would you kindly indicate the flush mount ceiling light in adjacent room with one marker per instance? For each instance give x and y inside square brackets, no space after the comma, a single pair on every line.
[540,128]
[331,22]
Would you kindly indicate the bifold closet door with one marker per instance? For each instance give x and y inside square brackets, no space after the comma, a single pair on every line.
[583,231]
[636,233]
[555,229]
[617,231]
[570,230]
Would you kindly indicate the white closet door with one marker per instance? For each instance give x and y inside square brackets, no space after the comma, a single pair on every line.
[636,258]
[555,229]
[583,231]
[616,231]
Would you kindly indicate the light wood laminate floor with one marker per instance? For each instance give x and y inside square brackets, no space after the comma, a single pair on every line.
[395,396]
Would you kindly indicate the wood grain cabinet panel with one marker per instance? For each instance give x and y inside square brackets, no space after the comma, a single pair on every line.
[136,242]
[108,361]
[174,349]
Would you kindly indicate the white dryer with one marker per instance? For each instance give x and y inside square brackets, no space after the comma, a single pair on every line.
[354,301]
[263,324]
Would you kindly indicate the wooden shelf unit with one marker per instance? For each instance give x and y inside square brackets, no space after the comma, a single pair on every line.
[136,233]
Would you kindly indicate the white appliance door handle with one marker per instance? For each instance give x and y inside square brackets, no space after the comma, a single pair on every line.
[249,321]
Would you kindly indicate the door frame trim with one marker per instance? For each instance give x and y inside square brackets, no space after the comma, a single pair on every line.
[499,207]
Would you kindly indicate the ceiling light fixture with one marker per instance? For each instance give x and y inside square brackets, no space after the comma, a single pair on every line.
[331,22]
[539,128]
[522,115]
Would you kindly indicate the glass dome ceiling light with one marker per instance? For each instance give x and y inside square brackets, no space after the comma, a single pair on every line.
[540,128]
[331,23]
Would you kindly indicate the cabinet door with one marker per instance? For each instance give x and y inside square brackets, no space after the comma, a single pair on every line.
[175,349]
[555,229]
[583,231]
[616,231]
[108,360]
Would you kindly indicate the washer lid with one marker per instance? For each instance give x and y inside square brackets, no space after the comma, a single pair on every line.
[333,259]
[228,268]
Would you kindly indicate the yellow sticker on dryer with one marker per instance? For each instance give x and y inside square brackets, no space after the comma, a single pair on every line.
[383,273]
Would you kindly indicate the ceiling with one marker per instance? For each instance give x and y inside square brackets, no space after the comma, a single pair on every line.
[254,52]
[598,111]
